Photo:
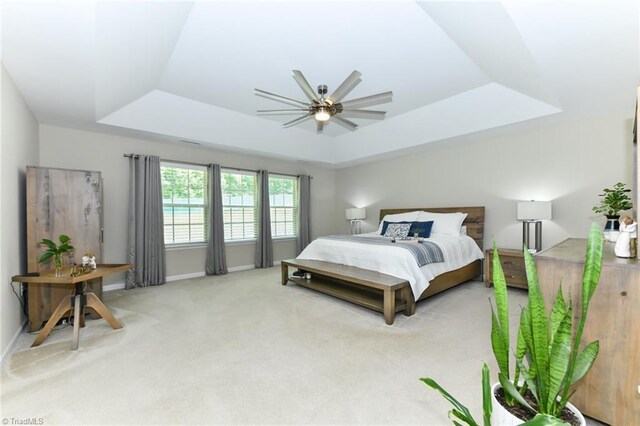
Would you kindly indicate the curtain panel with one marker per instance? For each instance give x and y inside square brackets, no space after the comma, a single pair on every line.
[304,212]
[146,227]
[216,261]
[264,245]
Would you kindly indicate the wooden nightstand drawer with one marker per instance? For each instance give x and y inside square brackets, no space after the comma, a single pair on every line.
[512,262]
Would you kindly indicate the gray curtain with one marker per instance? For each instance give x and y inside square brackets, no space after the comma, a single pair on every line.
[264,247]
[304,212]
[216,261]
[146,228]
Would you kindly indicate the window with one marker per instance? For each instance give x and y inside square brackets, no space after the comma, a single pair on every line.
[184,203]
[283,200]
[239,205]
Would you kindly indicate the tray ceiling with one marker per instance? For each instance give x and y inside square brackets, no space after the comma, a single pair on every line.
[187,70]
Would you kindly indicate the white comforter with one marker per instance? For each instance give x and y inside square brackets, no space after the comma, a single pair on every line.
[396,261]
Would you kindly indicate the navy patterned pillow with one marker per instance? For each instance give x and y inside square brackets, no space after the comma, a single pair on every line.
[423,229]
[398,230]
[385,224]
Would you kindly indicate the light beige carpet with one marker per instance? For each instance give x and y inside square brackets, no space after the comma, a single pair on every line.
[243,349]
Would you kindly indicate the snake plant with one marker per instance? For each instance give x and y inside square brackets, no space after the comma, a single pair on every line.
[547,356]
[459,410]
[554,360]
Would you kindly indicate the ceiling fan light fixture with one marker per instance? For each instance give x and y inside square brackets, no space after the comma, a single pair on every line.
[324,108]
[322,114]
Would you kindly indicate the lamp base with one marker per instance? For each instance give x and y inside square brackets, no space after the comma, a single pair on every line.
[526,236]
[356,226]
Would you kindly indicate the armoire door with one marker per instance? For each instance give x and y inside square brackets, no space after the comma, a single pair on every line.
[61,201]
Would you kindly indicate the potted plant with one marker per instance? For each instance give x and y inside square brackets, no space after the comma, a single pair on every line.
[614,201]
[56,251]
[548,358]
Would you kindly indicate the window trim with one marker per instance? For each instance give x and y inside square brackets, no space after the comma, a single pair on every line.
[295,207]
[254,207]
[204,205]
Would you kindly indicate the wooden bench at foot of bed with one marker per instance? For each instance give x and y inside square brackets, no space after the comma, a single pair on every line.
[373,290]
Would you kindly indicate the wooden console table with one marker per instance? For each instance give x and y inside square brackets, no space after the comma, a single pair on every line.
[609,392]
[75,302]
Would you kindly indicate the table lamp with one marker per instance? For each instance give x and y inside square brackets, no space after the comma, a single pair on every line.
[356,216]
[533,212]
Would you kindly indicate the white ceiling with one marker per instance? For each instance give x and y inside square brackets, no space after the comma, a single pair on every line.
[187,70]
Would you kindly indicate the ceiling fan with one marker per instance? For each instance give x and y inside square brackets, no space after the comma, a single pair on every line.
[328,108]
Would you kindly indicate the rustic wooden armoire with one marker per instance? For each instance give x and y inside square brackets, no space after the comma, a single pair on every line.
[61,201]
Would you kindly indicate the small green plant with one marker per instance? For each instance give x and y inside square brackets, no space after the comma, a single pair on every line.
[56,251]
[615,200]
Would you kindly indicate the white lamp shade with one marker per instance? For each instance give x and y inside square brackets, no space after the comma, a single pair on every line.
[534,210]
[356,214]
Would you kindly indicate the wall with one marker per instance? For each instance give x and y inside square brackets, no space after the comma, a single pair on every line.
[77,149]
[18,148]
[568,163]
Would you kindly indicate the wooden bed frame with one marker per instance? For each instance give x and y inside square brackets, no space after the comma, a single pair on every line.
[475,229]
[385,293]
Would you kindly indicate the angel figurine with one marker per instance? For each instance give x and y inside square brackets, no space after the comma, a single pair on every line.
[627,231]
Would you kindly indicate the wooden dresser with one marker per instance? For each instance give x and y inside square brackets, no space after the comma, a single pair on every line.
[610,392]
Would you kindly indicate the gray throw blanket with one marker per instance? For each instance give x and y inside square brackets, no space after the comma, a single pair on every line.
[424,253]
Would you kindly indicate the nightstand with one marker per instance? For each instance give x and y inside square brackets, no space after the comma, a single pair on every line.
[512,264]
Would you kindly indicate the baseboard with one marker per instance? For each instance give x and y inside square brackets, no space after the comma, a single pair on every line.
[185,276]
[247,267]
[114,286]
[14,339]
[120,285]
[240,268]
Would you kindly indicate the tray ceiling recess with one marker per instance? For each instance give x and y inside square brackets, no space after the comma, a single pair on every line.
[328,109]
[172,71]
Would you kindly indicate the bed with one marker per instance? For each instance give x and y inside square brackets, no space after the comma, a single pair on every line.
[344,269]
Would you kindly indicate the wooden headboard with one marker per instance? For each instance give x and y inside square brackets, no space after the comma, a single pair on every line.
[474,221]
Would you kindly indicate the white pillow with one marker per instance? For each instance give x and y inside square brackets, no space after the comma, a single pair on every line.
[444,223]
[398,230]
[399,217]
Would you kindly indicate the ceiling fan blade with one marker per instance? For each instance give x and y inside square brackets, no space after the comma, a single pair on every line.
[283,110]
[268,114]
[319,127]
[280,98]
[349,125]
[304,85]
[363,113]
[380,98]
[346,86]
[298,120]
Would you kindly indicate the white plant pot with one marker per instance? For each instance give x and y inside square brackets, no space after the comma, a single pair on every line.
[500,416]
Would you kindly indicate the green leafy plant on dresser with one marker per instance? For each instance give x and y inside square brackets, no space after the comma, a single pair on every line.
[548,358]
[614,200]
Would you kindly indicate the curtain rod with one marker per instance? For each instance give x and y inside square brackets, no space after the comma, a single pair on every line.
[205,165]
